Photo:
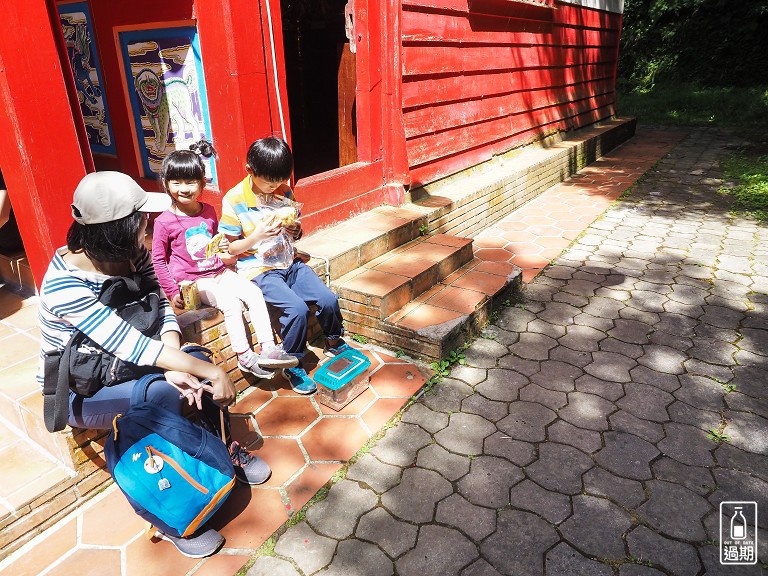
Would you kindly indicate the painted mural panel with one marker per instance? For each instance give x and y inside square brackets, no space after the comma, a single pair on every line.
[84,61]
[166,88]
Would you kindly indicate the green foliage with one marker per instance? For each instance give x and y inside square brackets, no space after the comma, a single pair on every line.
[717,436]
[750,170]
[424,229]
[441,368]
[713,42]
[359,338]
[456,357]
[690,104]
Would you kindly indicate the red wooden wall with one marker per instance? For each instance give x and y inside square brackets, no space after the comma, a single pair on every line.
[483,76]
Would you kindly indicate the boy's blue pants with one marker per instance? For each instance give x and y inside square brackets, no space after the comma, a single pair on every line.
[292,291]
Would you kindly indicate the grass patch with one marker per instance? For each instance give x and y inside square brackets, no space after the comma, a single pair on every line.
[749,169]
[682,104]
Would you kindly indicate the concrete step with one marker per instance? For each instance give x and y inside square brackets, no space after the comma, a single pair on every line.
[441,319]
[389,282]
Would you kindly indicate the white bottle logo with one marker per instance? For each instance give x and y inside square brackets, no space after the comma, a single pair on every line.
[738,525]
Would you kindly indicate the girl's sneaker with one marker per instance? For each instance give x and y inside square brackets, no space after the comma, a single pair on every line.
[249,362]
[340,347]
[195,546]
[273,356]
[249,469]
[299,380]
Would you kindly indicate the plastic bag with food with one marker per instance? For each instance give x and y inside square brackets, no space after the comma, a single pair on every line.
[278,252]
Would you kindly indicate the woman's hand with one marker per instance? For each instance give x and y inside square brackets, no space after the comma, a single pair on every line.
[178,301]
[189,386]
[221,388]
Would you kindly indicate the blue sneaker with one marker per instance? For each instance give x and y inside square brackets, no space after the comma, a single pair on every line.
[300,381]
[340,347]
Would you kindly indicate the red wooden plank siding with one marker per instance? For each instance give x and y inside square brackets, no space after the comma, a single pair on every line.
[475,85]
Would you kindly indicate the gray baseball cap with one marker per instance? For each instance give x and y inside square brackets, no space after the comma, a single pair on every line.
[106,196]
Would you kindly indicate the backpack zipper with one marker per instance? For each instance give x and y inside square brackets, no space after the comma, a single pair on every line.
[175,465]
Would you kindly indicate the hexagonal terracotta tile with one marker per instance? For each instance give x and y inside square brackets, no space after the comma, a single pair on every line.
[286,416]
[334,438]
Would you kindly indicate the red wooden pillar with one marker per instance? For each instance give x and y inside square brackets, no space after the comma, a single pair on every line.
[396,173]
[41,155]
[235,75]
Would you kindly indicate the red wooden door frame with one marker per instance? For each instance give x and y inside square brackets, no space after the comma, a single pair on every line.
[334,195]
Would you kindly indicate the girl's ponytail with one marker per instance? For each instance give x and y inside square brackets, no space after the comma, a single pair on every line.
[203,148]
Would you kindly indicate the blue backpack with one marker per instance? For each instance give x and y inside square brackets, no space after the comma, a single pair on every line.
[174,473]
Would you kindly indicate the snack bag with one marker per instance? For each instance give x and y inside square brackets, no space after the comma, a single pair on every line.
[278,252]
[213,246]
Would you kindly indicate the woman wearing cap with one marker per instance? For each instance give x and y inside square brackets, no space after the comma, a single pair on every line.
[107,239]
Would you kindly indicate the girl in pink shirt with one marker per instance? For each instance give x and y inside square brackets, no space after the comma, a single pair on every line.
[183,249]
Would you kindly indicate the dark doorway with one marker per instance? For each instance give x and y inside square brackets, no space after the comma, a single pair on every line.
[314,41]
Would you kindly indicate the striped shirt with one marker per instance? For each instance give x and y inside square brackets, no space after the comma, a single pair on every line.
[69,301]
[241,211]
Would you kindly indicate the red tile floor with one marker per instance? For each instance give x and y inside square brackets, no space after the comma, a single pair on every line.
[304,442]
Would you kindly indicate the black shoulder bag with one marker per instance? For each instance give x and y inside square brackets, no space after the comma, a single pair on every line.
[84,366]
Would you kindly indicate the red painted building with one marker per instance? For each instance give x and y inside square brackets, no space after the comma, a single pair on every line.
[373,95]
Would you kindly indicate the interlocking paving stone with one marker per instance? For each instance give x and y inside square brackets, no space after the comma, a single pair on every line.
[596,322]
[563,560]
[527,495]
[748,432]
[465,433]
[378,475]
[450,466]
[517,452]
[625,492]
[542,327]
[345,494]
[400,446]
[491,410]
[646,402]
[439,550]
[484,353]
[633,351]
[558,376]
[520,365]
[735,485]
[271,566]
[677,557]
[480,568]
[308,549]
[627,455]
[562,432]
[587,411]
[527,421]
[696,478]
[674,510]
[730,457]
[446,396]
[475,521]
[695,367]
[683,413]
[489,481]
[687,444]
[533,346]
[548,398]
[415,497]
[610,366]
[515,319]
[430,420]
[582,338]
[391,535]
[354,557]
[509,552]
[558,313]
[631,331]
[559,468]
[714,351]
[596,527]
[469,374]
[502,385]
[608,390]
[662,359]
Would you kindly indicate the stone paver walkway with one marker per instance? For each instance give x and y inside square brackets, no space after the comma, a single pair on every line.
[574,441]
